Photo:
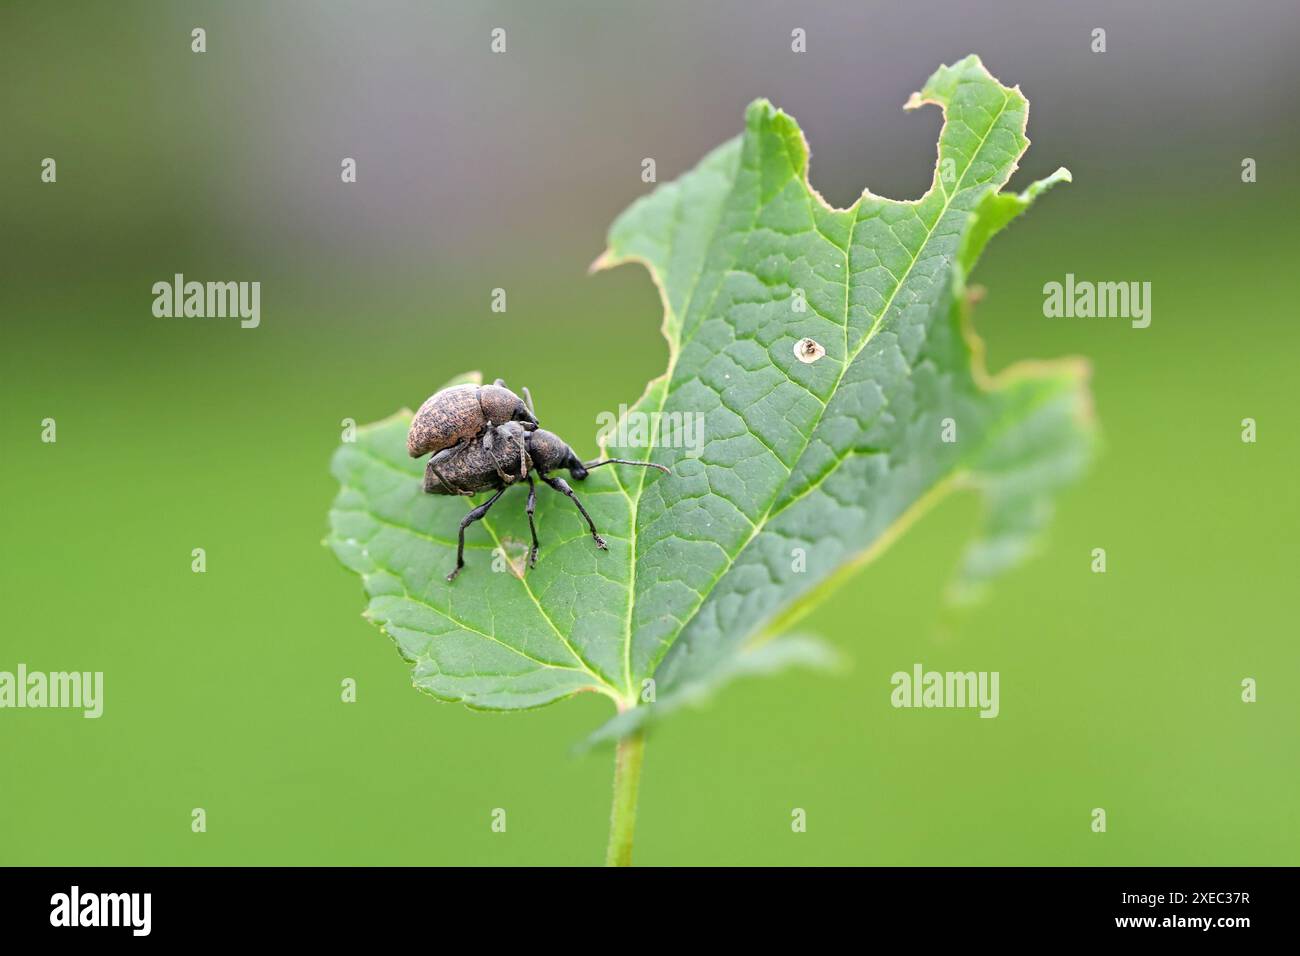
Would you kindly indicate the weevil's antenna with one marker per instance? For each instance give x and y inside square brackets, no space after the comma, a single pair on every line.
[624,461]
[528,398]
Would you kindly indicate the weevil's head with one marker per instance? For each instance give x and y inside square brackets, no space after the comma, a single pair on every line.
[500,405]
[550,452]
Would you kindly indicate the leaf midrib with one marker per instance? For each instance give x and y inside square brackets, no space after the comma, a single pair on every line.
[585,665]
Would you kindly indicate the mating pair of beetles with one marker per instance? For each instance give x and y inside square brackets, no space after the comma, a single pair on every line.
[485,436]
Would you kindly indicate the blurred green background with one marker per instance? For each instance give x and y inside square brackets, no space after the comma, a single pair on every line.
[222,690]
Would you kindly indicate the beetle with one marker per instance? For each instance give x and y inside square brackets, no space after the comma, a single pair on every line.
[477,466]
[453,416]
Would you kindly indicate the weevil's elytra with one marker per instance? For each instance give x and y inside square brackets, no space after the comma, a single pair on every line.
[461,413]
[501,452]
[502,455]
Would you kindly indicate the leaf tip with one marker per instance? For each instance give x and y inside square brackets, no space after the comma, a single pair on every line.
[760,108]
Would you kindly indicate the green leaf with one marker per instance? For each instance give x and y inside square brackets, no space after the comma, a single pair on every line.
[833,458]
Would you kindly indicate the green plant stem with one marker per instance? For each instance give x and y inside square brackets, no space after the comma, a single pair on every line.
[627,779]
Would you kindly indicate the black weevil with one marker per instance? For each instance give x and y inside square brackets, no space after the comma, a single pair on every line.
[479,466]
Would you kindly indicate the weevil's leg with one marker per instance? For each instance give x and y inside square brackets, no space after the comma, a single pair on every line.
[434,482]
[501,382]
[562,486]
[441,480]
[445,455]
[532,506]
[465,522]
[528,400]
[488,444]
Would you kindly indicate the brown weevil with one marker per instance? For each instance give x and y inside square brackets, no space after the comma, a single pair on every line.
[480,466]
[459,414]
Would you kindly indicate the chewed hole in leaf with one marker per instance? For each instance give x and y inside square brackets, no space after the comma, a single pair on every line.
[512,556]
[808,350]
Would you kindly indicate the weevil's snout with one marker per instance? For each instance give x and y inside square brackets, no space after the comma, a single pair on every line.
[527,419]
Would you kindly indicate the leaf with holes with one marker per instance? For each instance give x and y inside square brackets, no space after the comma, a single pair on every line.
[826,353]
